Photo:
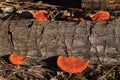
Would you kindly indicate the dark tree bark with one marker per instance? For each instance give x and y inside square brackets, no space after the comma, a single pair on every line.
[5,42]
[95,41]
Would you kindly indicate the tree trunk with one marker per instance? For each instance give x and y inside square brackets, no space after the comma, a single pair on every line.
[98,42]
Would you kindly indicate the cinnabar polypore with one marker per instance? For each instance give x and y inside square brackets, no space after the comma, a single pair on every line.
[41,15]
[76,19]
[72,64]
[100,16]
[16,58]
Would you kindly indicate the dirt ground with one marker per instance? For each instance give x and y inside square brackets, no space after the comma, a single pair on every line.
[48,70]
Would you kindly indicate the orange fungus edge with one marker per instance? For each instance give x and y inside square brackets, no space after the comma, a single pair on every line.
[72,64]
[76,19]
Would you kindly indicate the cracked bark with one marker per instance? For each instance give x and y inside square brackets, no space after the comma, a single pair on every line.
[5,38]
[97,42]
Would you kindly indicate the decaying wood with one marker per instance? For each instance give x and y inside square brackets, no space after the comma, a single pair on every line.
[97,42]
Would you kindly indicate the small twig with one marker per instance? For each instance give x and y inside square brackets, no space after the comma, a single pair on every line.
[8,4]
[28,4]
[53,14]
[3,61]
[102,77]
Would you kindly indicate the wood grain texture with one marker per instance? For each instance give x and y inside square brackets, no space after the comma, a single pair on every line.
[98,42]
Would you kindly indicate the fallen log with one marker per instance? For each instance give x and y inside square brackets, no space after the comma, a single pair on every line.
[98,42]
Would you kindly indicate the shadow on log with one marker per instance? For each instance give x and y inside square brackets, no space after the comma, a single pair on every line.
[98,42]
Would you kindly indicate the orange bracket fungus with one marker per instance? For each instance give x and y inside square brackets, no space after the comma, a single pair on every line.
[72,64]
[16,58]
[100,16]
[75,19]
[41,15]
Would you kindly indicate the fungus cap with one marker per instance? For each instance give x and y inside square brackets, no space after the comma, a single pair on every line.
[101,16]
[16,59]
[72,64]
[40,15]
